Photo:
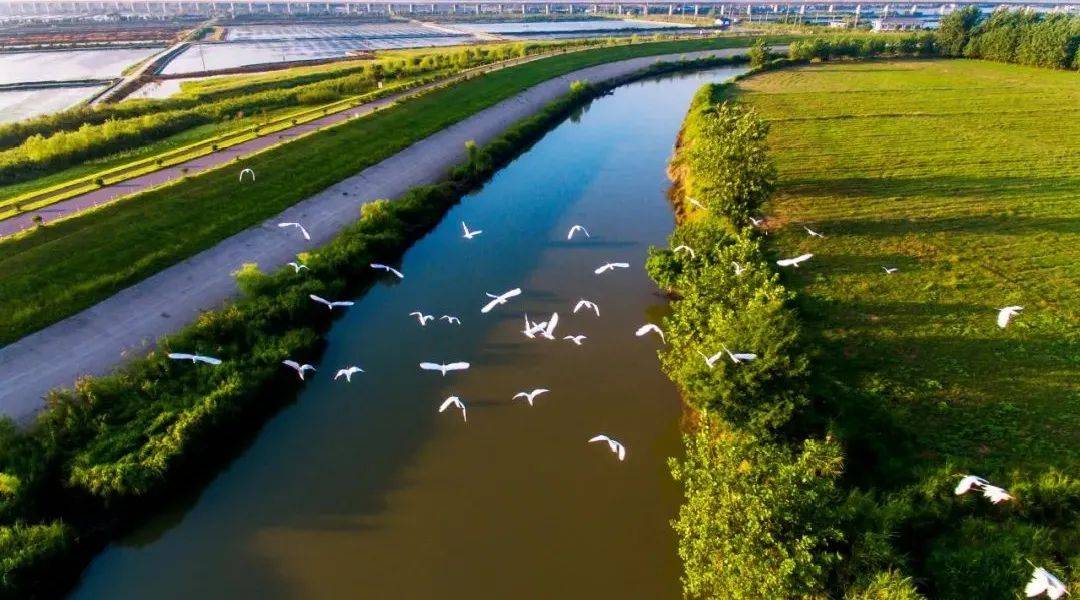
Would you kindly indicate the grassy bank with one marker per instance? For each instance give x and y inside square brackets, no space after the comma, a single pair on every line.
[56,271]
[963,175]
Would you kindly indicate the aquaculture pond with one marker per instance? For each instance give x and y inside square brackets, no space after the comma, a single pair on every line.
[364,489]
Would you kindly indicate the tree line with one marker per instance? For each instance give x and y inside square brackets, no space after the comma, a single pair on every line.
[1022,37]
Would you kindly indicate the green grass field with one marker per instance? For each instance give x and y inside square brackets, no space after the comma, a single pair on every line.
[964,175]
[65,267]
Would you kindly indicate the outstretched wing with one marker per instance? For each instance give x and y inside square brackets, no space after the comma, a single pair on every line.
[319,299]
[457,366]
[291,363]
[210,360]
[1038,583]
[430,366]
[599,438]
[181,356]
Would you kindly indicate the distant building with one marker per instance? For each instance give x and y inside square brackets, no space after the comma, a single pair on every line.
[839,25]
[722,22]
[899,24]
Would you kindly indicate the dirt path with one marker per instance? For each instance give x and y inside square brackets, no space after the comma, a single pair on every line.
[128,323]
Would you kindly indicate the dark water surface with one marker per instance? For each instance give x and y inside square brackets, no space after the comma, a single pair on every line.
[363,490]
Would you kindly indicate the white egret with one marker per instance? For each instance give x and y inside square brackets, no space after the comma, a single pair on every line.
[444,368]
[611,267]
[646,328]
[470,234]
[812,233]
[616,448]
[396,273]
[330,305]
[298,226]
[756,222]
[575,229]
[738,268]
[738,357]
[711,360]
[347,373]
[422,317]
[1004,314]
[890,270]
[549,326]
[450,320]
[995,494]
[1043,582]
[297,266]
[247,172]
[499,299]
[530,396]
[969,482]
[794,262]
[589,304]
[299,368]
[456,403]
[577,339]
[531,329]
[210,360]
[684,248]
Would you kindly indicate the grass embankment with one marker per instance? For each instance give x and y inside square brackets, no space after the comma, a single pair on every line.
[105,452]
[56,271]
[965,176]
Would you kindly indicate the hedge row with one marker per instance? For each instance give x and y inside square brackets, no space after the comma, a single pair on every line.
[1023,37]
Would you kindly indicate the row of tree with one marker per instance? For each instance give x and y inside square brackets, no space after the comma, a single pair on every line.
[1023,37]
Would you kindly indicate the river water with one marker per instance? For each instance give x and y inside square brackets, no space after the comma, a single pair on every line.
[364,490]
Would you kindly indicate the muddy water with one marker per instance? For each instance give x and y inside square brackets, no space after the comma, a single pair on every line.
[363,490]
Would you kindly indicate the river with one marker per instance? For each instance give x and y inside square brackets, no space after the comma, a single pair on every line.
[364,490]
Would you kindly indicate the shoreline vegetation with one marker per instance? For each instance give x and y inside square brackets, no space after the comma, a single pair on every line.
[106,452]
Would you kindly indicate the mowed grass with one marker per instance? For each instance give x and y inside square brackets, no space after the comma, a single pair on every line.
[964,175]
[65,267]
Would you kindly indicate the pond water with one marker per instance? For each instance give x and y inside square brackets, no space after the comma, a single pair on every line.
[64,65]
[527,27]
[17,105]
[365,490]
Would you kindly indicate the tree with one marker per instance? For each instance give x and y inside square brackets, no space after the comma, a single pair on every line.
[956,29]
[760,53]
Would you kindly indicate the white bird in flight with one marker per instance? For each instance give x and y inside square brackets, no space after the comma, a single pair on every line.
[756,222]
[348,373]
[247,172]
[297,266]
[531,329]
[396,273]
[575,229]
[210,360]
[738,268]
[589,304]
[444,369]
[1004,314]
[577,339]
[794,262]
[299,368]
[615,446]
[1042,582]
[548,330]
[470,234]
[812,233]
[530,396]
[611,267]
[456,403]
[968,482]
[422,317]
[646,328]
[684,248]
[711,360]
[499,299]
[298,226]
[738,357]
[330,305]
[450,320]
[890,270]
[995,494]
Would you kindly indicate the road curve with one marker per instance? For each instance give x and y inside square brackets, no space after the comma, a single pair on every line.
[127,324]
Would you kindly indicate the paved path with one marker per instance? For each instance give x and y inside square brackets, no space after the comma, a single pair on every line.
[128,323]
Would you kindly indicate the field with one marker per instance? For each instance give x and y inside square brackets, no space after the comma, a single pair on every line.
[57,271]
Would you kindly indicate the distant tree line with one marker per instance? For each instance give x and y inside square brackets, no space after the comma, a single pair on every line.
[1022,37]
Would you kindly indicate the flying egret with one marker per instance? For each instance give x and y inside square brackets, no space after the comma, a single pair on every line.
[549,326]
[646,328]
[577,339]
[738,357]
[684,248]
[247,172]
[696,203]
[499,299]
[470,234]
[298,226]
[210,360]
[738,268]
[794,262]
[995,494]
[454,366]
[330,305]
[456,403]
[575,229]
[450,320]
[348,373]
[812,233]
[589,304]
[297,266]
[756,222]
[396,273]
[1042,582]
[1004,314]
[299,368]
[890,270]
[422,317]
[530,396]
[711,360]
[969,482]
[615,446]
[611,267]
[531,329]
